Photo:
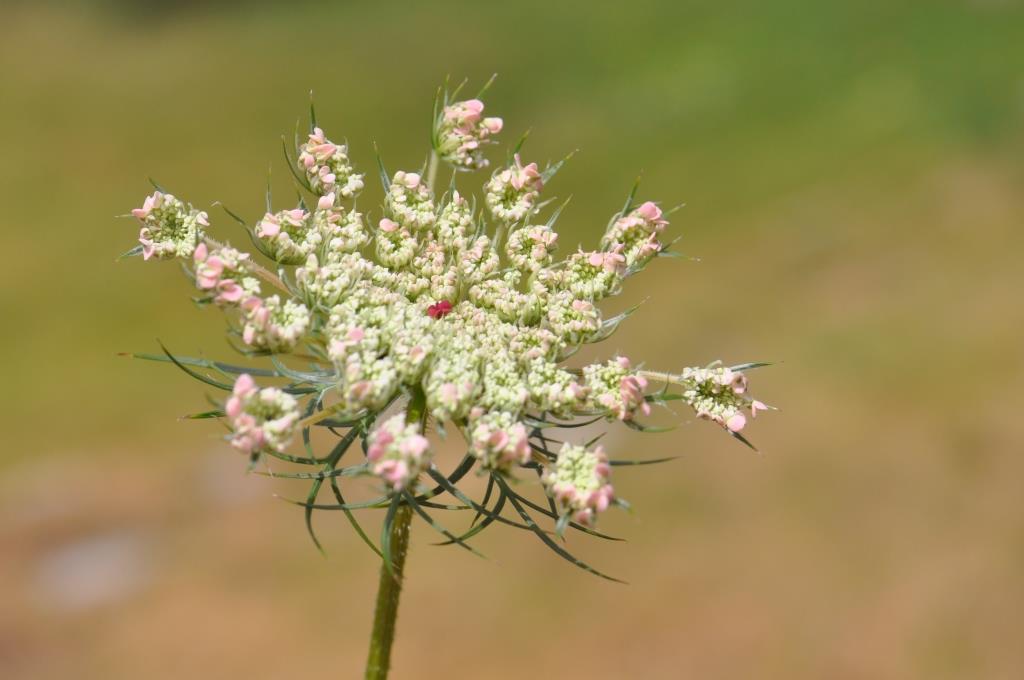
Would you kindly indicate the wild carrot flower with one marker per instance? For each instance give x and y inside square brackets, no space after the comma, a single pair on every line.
[530,248]
[458,319]
[409,202]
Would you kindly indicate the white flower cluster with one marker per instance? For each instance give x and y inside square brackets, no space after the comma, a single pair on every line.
[719,394]
[592,276]
[634,237]
[470,312]
[327,167]
[288,235]
[409,202]
[260,419]
[512,192]
[224,273]
[498,439]
[170,228]
[326,284]
[529,248]
[614,388]
[273,326]
[461,131]
[578,483]
[397,452]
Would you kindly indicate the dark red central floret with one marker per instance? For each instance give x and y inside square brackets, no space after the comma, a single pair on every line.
[439,309]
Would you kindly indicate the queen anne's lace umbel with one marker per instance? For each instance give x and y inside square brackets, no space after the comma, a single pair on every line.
[465,312]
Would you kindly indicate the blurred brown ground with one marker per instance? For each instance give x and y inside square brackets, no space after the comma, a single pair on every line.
[852,173]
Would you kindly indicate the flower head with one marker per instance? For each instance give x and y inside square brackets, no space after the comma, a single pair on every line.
[397,452]
[530,248]
[273,325]
[578,483]
[170,228]
[464,316]
[260,419]
[512,192]
[461,132]
[224,274]
[327,167]
[635,236]
[614,388]
[409,202]
[719,394]
[499,439]
[326,283]
[289,235]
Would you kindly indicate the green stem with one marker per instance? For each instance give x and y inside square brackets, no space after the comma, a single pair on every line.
[389,587]
[661,376]
[388,591]
[262,272]
[432,166]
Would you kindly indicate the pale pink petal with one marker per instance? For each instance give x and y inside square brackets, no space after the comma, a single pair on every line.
[493,125]
[736,422]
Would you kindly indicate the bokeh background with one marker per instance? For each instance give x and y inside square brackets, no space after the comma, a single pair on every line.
[852,177]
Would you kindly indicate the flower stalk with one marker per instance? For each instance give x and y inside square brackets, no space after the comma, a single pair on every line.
[259,270]
[389,589]
[389,586]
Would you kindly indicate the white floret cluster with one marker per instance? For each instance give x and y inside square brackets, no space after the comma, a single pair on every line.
[170,227]
[397,452]
[260,418]
[578,482]
[499,439]
[327,167]
[719,394]
[461,132]
[468,310]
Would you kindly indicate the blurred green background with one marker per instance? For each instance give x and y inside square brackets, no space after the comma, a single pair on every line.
[852,173]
